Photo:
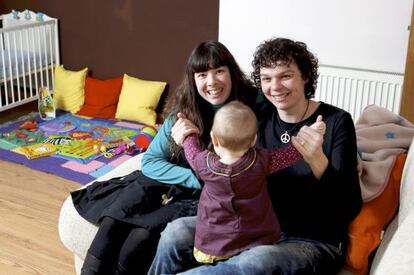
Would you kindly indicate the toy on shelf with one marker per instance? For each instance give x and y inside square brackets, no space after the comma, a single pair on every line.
[143,140]
[39,17]
[45,104]
[27,15]
[15,14]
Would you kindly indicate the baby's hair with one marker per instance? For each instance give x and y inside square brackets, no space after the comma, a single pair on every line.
[235,126]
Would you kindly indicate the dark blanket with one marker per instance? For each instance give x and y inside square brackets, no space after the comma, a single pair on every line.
[135,199]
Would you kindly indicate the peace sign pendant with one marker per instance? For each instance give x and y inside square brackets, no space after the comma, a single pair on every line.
[285,138]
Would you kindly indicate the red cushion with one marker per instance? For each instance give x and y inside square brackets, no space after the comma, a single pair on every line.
[101,97]
[375,215]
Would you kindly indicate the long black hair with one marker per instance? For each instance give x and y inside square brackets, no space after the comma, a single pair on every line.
[186,99]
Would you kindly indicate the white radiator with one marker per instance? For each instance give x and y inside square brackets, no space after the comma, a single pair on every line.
[353,89]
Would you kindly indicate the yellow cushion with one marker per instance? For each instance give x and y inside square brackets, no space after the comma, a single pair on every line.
[68,93]
[138,100]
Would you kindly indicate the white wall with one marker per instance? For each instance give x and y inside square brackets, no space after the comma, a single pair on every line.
[367,34]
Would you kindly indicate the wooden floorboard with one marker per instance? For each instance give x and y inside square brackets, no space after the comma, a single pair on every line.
[30,202]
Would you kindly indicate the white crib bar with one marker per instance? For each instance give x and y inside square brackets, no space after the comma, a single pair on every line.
[353,89]
[23,63]
[29,64]
[45,53]
[10,67]
[51,53]
[40,56]
[4,71]
[16,63]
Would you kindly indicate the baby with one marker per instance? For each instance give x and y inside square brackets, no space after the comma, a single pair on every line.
[235,211]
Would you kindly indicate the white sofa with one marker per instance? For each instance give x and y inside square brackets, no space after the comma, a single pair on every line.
[394,256]
[75,232]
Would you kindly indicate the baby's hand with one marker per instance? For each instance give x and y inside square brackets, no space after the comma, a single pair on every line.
[319,125]
[182,128]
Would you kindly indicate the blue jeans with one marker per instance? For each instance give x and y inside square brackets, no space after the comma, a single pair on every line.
[289,256]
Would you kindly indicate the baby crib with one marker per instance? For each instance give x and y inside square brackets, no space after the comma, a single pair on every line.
[29,50]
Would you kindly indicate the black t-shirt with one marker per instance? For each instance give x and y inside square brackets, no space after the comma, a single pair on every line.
[306,207]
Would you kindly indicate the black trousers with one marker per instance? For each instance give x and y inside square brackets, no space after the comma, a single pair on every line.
[124,244]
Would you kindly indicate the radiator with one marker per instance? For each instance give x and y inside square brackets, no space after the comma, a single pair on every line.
[353,89]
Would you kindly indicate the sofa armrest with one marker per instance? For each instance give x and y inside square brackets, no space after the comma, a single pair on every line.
[75,232]
[125,168]
[396,257]
[407,186]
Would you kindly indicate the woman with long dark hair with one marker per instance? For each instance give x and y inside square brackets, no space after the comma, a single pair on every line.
[131,212]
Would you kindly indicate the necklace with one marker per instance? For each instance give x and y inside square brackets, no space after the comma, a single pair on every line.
[285,137]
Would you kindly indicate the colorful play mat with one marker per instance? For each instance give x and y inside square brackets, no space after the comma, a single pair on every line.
[72,147]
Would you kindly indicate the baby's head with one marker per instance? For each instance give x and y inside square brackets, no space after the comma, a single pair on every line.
[234,127]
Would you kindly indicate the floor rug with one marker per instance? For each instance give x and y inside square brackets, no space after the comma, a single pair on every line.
[74,137]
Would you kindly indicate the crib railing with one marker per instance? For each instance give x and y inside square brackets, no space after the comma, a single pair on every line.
[28,53]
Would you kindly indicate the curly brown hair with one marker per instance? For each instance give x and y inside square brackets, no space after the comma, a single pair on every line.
[271,52]
[186,99]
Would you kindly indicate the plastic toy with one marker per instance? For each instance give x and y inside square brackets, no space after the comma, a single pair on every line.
[152,131]
[120,149]
[21,135]
[29,125]
[45,104]
[15,14]
[143,140]
[27,15]
[115,147]
[81,134]
[57,127]
[39,17]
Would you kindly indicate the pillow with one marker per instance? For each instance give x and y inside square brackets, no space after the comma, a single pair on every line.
[365,230]
[68,93]
[138,100]
[101,97]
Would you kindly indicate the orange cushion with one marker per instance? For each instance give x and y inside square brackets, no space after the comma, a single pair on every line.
[101,97]
[375,215]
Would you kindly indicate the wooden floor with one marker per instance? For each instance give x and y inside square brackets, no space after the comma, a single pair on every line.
[30,202]
[19,111]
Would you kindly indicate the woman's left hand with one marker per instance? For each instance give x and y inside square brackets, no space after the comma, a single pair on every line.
[309,142]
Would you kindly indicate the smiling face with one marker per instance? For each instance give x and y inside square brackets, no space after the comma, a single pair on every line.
[284,86]
[214,85]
